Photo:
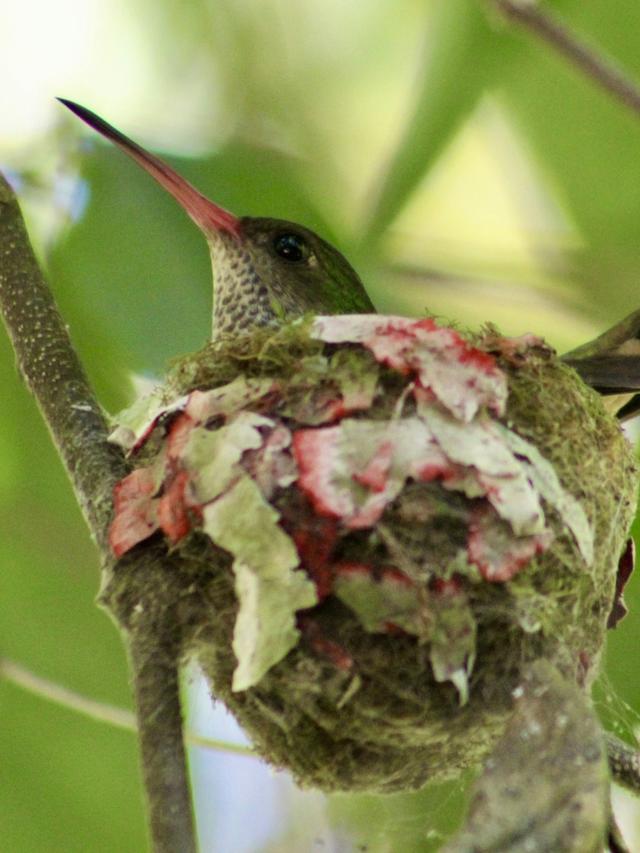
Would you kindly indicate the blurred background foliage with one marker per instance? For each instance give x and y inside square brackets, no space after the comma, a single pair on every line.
[463,168]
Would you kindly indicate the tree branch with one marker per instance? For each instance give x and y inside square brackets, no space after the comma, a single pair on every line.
[595,64]
[53,373]
[154,650]
[545,785]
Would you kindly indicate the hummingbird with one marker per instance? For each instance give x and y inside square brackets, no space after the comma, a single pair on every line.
[265,269]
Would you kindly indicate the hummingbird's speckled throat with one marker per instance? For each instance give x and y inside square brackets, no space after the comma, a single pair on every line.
[240,298]
[263,269]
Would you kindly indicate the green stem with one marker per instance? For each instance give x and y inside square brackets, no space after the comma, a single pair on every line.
[102,712]
[594,64]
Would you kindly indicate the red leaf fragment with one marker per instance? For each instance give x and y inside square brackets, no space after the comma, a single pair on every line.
[585,661]
[320,456]
[323,646]
[353,470]
[462,377]
[497,552]
[467,354]
[135,516]
[514,350]
[315,542]
[351,567]
[178,435]
[626,565]
[317,455]
[172,511]
[375,475]
[389,573]
[438,469]
[335,410]
[446,586]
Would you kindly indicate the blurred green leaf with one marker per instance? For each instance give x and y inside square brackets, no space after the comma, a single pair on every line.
[67,783]
[464,55]
[78,788]
[587,144]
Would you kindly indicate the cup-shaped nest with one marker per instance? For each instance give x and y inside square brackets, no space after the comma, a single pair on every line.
[379,523]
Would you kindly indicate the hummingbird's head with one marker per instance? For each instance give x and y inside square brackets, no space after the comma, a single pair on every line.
[264,270]
[271,269]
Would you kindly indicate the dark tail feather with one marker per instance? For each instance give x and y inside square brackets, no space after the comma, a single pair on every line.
[612,376]
[611,365]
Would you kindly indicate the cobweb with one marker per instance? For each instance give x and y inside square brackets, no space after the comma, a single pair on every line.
[243,806]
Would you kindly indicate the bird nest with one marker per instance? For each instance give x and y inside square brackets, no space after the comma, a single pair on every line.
[379,523]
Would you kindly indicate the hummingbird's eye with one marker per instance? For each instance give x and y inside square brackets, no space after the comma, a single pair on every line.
[291,247]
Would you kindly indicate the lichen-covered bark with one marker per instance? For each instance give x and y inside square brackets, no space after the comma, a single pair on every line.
[546,785]
[52,370]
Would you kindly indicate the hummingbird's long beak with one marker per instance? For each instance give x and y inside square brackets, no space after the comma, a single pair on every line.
[209,217]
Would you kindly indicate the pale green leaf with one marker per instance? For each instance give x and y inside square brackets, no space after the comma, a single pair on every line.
[378,602]
[544,478]
[480,445]
[212,456]
[269,589]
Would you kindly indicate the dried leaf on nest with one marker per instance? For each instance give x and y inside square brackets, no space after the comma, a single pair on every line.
[453,643]
[354,470]
[384,602]
[270,591]
[134,425]
[462,377]
[212,457]
[545,479]
[136,510]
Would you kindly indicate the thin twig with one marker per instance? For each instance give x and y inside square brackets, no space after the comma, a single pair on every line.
[102,712]
[595,64]
[624,763]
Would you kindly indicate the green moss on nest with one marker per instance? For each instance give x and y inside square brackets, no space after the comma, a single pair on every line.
[386,724]
[263,352]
